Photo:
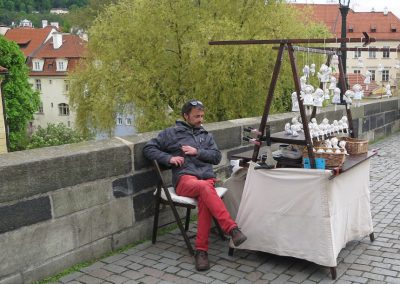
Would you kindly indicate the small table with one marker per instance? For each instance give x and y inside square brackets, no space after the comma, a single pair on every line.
[306,213]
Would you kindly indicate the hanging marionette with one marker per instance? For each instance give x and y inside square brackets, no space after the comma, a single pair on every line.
[358,94]
[367,79]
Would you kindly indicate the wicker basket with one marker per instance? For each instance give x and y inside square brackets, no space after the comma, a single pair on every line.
[355,146]
[332,160]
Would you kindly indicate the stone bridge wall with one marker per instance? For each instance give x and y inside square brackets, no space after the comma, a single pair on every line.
[63,205]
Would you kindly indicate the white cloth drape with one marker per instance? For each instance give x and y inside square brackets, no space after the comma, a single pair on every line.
[303,214]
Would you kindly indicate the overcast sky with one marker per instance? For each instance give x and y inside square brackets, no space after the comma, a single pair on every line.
[363,5]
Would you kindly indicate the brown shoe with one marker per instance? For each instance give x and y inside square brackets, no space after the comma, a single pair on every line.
[201,258]
[237,236]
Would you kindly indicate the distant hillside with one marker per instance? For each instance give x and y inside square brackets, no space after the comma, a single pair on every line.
[13,11]
[41,6]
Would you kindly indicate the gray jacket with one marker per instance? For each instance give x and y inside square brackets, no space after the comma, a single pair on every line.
[169,142]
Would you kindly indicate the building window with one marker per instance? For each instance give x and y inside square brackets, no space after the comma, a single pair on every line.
[128,121]
[357,71]
[385,75]
[351,28]
[386,53]
[119,120]
[61,64]
[393,28]
[38,83]
[63,109]
[37,64]
[40,110]
[357,53]
[66,85]
[372,74]
[373,28]
[372,53]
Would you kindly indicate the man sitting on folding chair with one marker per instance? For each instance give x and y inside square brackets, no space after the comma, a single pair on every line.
[192,152]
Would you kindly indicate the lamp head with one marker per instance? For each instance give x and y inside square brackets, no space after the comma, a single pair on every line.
[344,3]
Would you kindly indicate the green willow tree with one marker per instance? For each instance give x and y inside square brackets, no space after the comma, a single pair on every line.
[21,102]
[154,55]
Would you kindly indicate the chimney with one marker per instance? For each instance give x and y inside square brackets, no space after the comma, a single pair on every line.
[54,24]
[385,11]
[44,23]
[57,40]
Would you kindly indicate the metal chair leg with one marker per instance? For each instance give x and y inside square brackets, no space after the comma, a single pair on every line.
[187,221]
[333,272]
[155,222]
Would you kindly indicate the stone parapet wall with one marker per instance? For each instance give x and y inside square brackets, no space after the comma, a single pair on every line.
[67,204]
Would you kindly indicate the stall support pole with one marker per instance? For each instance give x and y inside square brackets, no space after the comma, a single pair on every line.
[268,102]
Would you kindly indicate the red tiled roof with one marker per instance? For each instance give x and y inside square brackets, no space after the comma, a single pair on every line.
[329,14]
[29,39]
[72,47]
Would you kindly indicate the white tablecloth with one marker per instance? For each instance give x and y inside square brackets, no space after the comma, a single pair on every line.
[303,214]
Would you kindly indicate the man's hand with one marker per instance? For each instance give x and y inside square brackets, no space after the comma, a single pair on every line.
[189,150]
[177,161]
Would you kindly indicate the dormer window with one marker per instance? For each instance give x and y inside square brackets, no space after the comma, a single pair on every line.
[351,28]
[393,28]
[373,28]
[61,64]
[37,64]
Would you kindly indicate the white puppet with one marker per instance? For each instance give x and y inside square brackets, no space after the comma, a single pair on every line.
[324,73]
[303,82]
[308,96]
[295,102]
[358,94]
[336,96]
[367,79]
[347,97]
[335,62]
[312,69]
[388,90]
[306,71]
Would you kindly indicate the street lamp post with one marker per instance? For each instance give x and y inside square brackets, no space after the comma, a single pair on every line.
[344,10]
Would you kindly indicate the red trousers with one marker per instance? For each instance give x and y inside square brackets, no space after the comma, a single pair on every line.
[209,205]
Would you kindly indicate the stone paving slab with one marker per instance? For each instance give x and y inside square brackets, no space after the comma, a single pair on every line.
[360,261]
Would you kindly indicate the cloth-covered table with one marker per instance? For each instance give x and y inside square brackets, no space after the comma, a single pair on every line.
[304,213]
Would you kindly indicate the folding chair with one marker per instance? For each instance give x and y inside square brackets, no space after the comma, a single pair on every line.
[166,195]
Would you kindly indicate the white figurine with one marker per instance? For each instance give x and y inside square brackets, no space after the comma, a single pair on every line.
[303,82]
[306,71]
[312,69]
[367,80]
[334,142]
[308,95]
[294,130]
[288,131]
[336,96]
[318,97]
[348,95]
[295,102]
[342,145]
[324,73]
[358,94]
[388,91]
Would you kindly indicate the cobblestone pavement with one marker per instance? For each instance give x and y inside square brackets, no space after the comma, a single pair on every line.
[359,262]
